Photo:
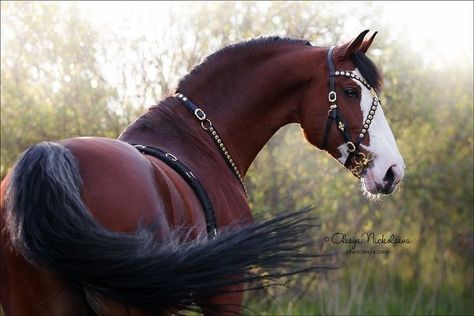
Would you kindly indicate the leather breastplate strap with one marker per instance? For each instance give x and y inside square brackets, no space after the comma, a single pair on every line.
[188,176]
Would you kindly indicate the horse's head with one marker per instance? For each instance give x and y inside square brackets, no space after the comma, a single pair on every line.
[354,129]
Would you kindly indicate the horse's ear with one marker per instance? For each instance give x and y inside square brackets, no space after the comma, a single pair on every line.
[366,44]
[353,46]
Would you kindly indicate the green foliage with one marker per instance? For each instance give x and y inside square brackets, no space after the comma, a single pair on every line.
[51,84]
[61,77]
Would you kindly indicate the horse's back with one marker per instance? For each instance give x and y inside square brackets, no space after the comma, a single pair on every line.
[123,188]
[118,184]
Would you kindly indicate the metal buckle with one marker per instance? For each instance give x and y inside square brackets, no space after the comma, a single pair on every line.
[351,147]
[200,114]
[363,159]
[357,170]
[171,156]
[206,124]
[332,96]
[361,163]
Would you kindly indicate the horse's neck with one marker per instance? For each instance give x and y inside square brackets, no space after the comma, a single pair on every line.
[249,99]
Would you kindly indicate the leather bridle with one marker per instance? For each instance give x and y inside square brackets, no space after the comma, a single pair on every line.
[356,157]
[359,159]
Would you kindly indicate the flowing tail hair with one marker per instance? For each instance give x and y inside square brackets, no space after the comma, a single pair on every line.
[51,227]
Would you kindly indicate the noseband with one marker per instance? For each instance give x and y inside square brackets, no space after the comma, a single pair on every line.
[358,159]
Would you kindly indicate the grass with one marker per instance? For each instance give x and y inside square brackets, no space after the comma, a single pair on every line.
[369,299]
[400,299]
[366,289]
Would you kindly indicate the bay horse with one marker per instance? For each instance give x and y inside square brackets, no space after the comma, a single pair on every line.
[159,219]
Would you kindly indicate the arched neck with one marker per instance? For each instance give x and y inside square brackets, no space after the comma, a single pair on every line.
[249,97]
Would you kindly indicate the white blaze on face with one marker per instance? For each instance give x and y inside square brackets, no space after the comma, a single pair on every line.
[382,144]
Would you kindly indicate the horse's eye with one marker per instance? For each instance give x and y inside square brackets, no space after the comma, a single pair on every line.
[351,93]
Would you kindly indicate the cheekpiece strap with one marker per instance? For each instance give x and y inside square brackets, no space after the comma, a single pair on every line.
[335,115]
[332,71]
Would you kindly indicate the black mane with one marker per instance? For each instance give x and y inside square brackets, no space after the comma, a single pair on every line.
[239,48]
[368,70]
[366,67]
[264,41]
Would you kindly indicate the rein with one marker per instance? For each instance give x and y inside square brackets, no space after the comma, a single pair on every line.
[356,157]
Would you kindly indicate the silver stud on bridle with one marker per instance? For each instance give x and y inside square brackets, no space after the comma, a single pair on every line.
[358,159]
[207,125]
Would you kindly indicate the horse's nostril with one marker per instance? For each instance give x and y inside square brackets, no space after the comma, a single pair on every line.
[390,175]
[388,180]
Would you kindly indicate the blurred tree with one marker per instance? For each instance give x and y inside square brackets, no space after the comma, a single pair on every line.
[62,78]
[52,87]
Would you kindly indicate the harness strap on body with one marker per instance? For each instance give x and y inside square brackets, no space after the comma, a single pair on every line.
[190,178]
[207,125]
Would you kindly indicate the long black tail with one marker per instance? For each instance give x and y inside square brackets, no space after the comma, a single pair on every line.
[50,225]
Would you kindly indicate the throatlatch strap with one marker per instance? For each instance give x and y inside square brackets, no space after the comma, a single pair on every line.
[188,176]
